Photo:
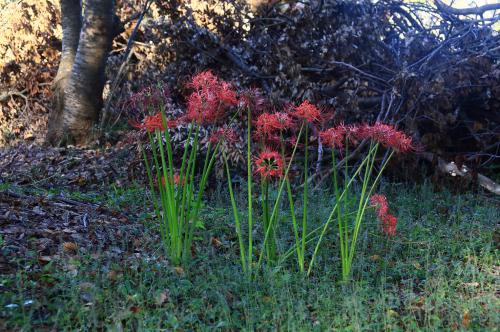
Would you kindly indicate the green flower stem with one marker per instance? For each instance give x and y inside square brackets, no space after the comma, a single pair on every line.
[249,190]
[168,142]
[280,190]
[330,218]
[357,221]
[236,215]
[153,194]
[165,207]
[266,221]
[300,256]
[184,167]
[375,182]
[346,200]
[304,211]
[339,214]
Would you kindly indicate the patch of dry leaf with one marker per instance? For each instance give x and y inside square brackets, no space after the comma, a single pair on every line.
[29,55]
[42,229]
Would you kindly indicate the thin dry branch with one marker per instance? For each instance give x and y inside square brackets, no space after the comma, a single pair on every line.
[127,55]
[452,169]
[480,10]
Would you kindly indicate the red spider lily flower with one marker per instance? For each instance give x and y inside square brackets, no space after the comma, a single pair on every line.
[269,165]
[151,123]
[205,79]
[339,135]
[268,124]
[147,98]
[386,135]
[176,181]
[327,114]
[226,94]
[388,221]
[265,125]
[381,202]
[333,137]
[203,107]
[389,224]
[307,112]
[284,120]
[227,135]
[252,99]
[155,122]
[210,99]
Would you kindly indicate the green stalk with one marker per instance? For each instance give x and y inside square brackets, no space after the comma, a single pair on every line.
[169,200]
[281,186]
[153,194]
[330,218]
[182,175]
[265,208]
[339,214]
[188,192]
[357,221]
[236,215]
[300,256]
[346,199]
[206,170]
[356,231]
[249,190]
[304,211]
[168,142]
[309,238]
[163,197]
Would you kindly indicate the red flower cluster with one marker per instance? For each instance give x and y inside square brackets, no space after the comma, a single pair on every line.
[385,134]
[176,181]
[148,98]
[307,112]
[203,80]
[267,124]
[333,137]
[155,122]
[269,164]
[210,99]
[227,135]
[387,220]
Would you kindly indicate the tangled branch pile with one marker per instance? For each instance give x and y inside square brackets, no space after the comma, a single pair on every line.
[431,70]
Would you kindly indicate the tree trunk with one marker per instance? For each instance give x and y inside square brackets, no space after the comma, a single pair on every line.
[83,90]
[71,21]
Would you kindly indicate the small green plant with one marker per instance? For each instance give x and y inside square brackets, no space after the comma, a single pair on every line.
[176,195]
[349,222]
[270,165]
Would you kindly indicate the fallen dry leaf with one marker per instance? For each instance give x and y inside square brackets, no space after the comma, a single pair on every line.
[466,319]
[70,246]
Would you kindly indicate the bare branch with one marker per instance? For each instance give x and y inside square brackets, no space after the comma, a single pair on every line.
[452,169]
[466,11]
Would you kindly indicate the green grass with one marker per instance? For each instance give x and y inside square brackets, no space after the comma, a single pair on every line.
[439,273]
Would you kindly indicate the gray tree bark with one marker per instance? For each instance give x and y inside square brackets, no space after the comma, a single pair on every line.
[71,21]
[82,89]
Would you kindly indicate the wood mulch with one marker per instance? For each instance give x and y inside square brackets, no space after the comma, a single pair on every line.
[38,226]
